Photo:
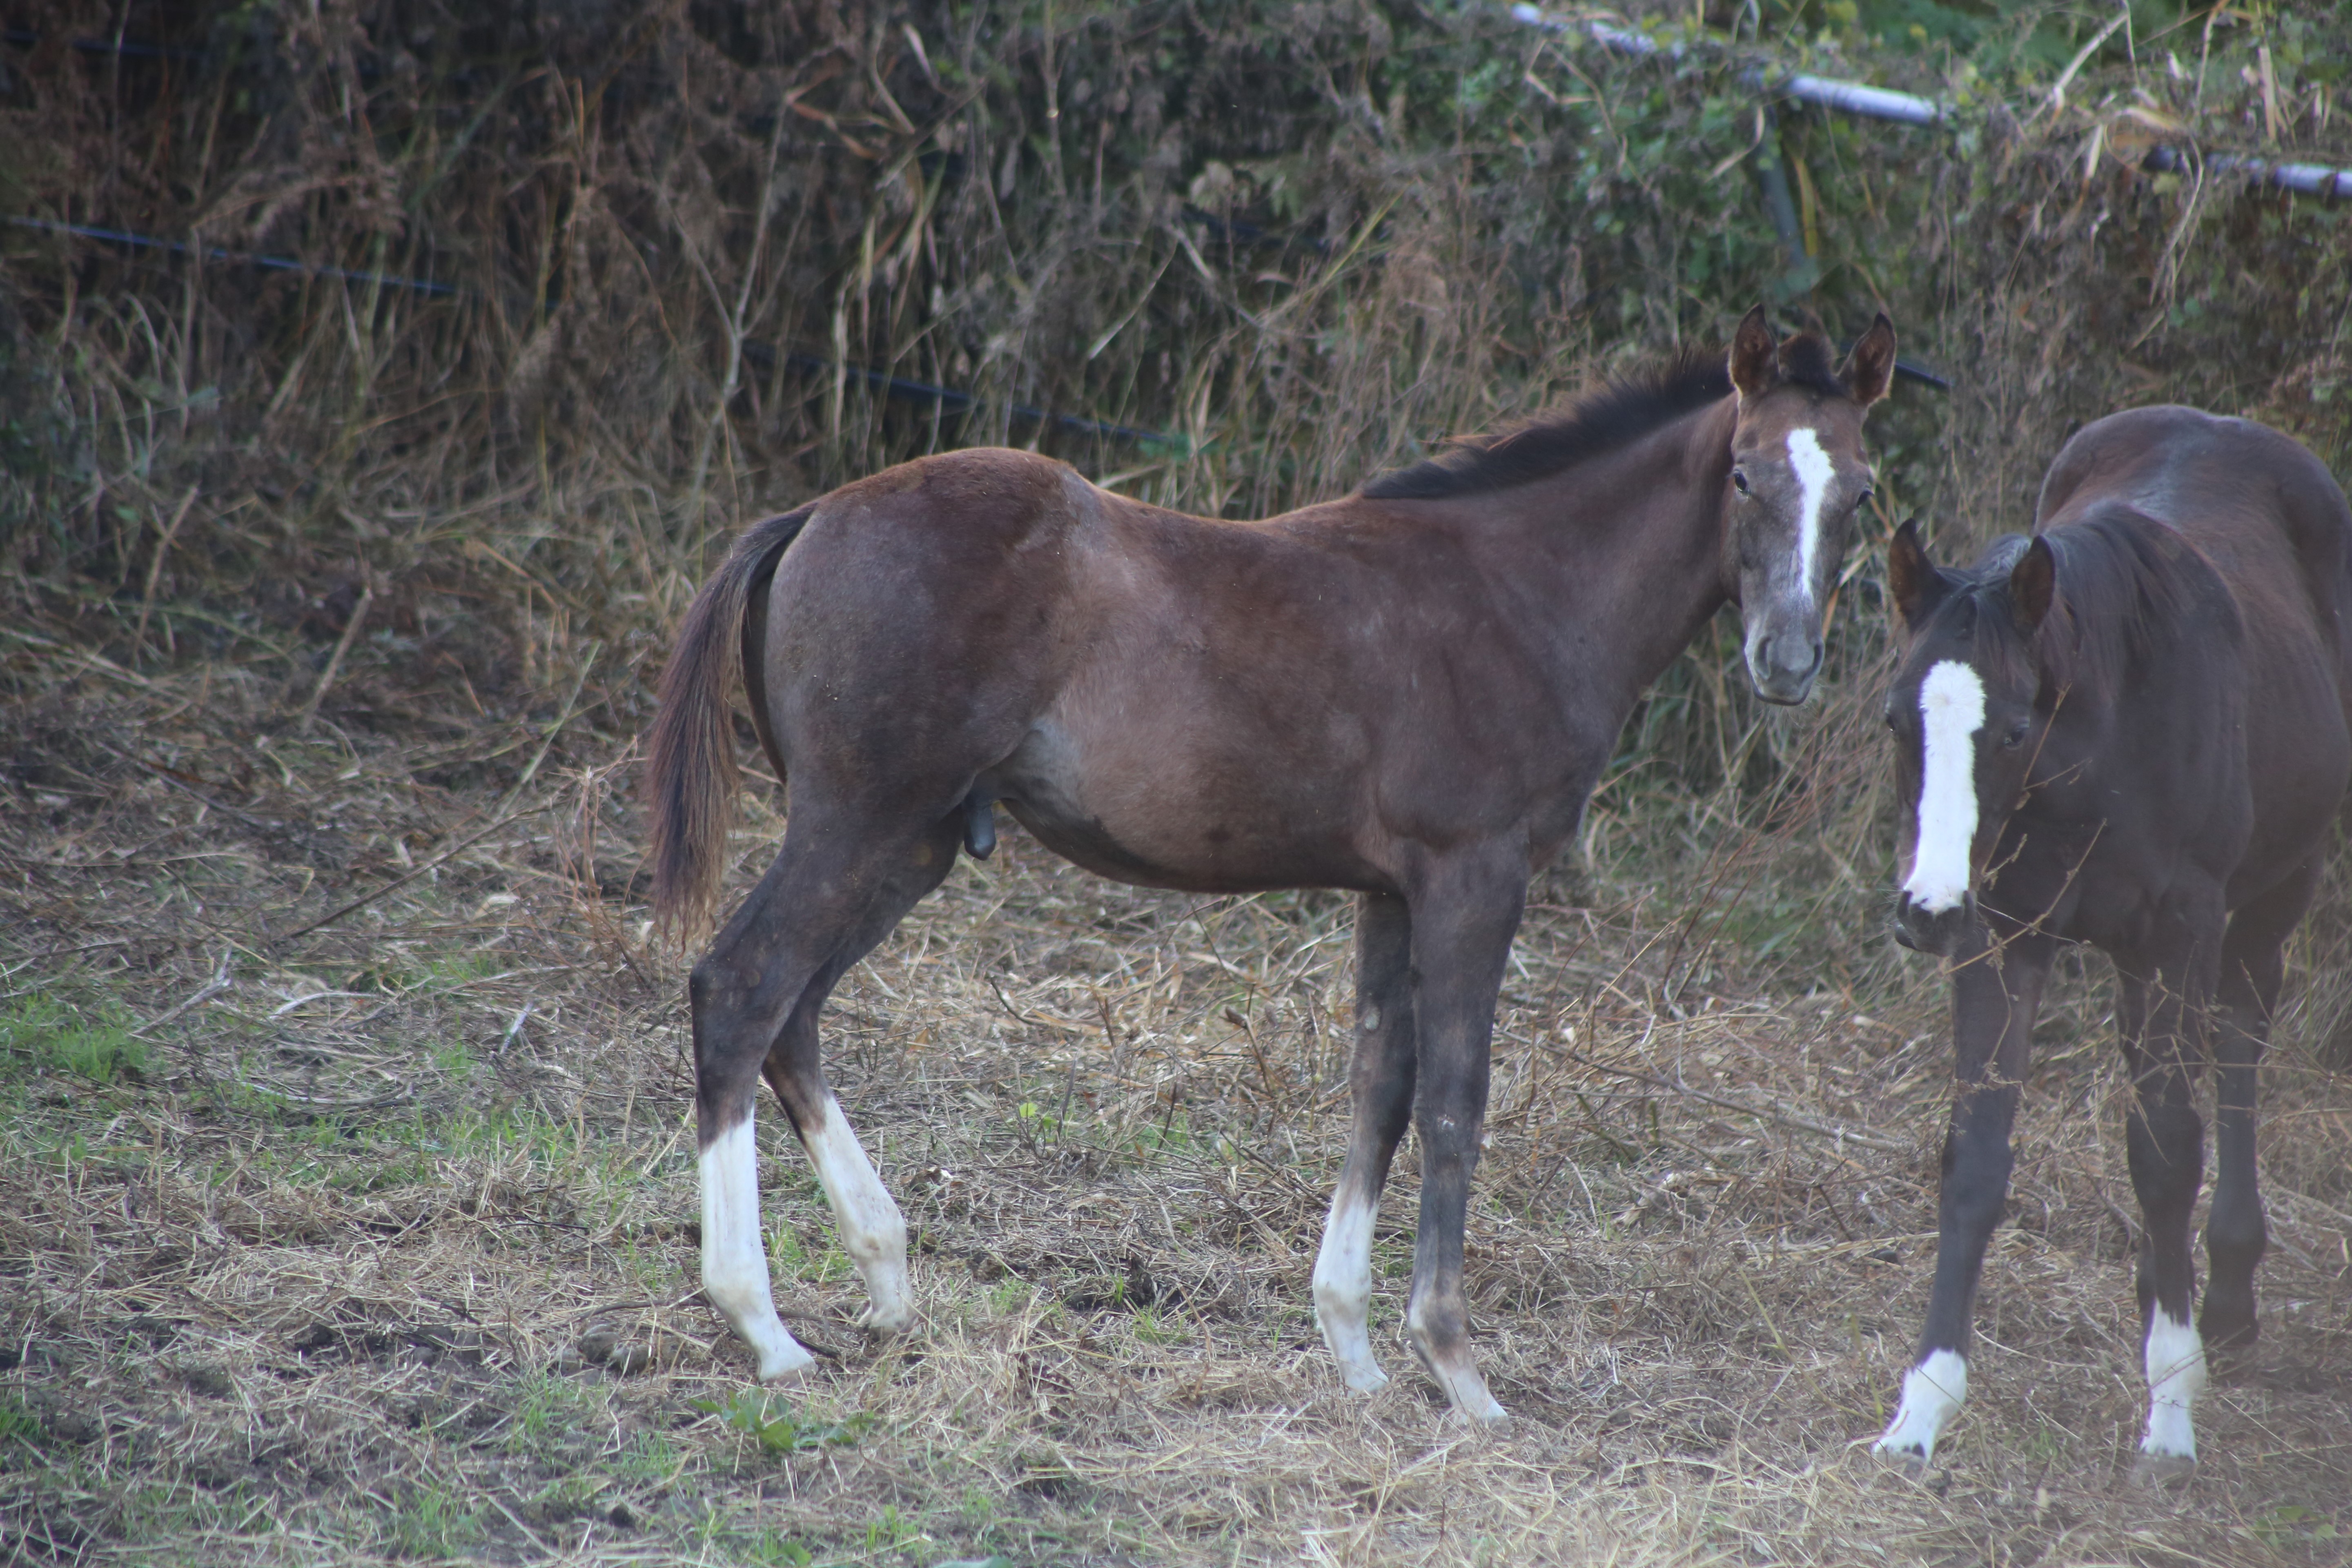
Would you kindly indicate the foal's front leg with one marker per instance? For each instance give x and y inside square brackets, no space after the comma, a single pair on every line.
[1996,991]
[1380,1081]
[1465,913]
[2163,1140]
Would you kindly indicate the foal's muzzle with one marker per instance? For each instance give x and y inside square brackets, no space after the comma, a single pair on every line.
[1936,932]
[1783,666]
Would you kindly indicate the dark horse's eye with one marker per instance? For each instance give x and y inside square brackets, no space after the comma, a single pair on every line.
[2016,736]
[1739,480]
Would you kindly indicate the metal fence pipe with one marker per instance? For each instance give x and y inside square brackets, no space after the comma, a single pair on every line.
[1910,109]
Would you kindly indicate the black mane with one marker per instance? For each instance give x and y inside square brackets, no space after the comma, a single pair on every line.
[1622,410]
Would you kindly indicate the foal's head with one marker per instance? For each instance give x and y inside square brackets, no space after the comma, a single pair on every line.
[1967,708]
[1798,474]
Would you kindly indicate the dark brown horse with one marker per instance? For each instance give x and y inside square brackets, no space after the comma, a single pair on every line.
[1409,692]
[2130,730]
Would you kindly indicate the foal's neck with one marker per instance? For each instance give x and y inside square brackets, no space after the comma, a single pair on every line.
[1645,529]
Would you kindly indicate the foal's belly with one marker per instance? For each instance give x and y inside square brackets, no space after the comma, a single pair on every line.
[1157,815]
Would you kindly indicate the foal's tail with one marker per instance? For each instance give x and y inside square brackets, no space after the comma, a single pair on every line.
[690,777]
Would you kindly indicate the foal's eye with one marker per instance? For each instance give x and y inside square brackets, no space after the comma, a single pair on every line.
[1739,480]
[2016,736]
[1864,499]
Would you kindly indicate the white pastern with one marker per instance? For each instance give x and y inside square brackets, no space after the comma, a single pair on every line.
[873,1231]
[1933,1393]
[1951,703]
[734,1266]
[1813,470]
[1343,1291]
[2176,1376]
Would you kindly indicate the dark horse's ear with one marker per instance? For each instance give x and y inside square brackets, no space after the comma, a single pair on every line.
[1755,365]
[1870,368]
[2032,582]
[1917,587]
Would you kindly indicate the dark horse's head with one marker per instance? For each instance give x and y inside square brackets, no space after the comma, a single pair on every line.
[1797,476]
[1969,711]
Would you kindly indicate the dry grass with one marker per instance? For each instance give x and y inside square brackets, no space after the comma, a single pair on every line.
[337,1230]
[385,1249]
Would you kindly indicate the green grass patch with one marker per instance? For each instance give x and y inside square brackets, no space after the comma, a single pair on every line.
[55,1037]
[431,1526]
[551,1412]
[768,1420]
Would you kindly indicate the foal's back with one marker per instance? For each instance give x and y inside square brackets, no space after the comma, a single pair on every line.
[2273,523]
[2262,508]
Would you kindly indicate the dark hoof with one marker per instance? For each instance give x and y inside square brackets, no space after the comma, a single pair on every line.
[2154,1472]
[1909,1463]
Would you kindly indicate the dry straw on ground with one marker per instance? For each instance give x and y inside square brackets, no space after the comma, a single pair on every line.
[385,1248]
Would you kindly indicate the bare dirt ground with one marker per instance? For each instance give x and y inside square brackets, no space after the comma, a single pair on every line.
[347,1208]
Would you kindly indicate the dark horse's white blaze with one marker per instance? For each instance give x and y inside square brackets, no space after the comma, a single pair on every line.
[1952,711]
[2132,730]
[1226,707]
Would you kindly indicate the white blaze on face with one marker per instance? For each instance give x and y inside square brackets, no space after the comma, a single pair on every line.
[734,1266]
[2176,1376]
[1343,1291]
[1932,1395]
[873,1231]
[1813,470]
[1951,706]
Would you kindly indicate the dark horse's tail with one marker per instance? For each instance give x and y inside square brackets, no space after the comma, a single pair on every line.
[690,777]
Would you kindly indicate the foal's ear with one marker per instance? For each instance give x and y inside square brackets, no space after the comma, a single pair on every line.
[1755,365]
[1917,586]
[2032,582]
[1870,368]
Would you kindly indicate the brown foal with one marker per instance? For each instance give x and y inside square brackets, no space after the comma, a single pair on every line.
[1410,692]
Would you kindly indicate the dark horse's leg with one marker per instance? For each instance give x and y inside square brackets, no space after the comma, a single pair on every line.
[2252,969]
[1380,1081]
[1466,910]
[838,887]
[1995,992]
[2164,1138]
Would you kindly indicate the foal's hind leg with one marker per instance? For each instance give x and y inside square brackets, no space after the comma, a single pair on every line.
[873,1231]
[1380,1081]
[823,897]
[2164,1138]
[2235,1236]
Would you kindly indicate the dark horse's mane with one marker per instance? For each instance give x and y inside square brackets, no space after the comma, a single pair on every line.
[2127,584]
[1620,410]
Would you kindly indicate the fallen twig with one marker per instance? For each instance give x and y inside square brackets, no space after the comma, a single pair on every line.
[1788,1119]
[155,571]
[220,982]
[335,659]
[399,882]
